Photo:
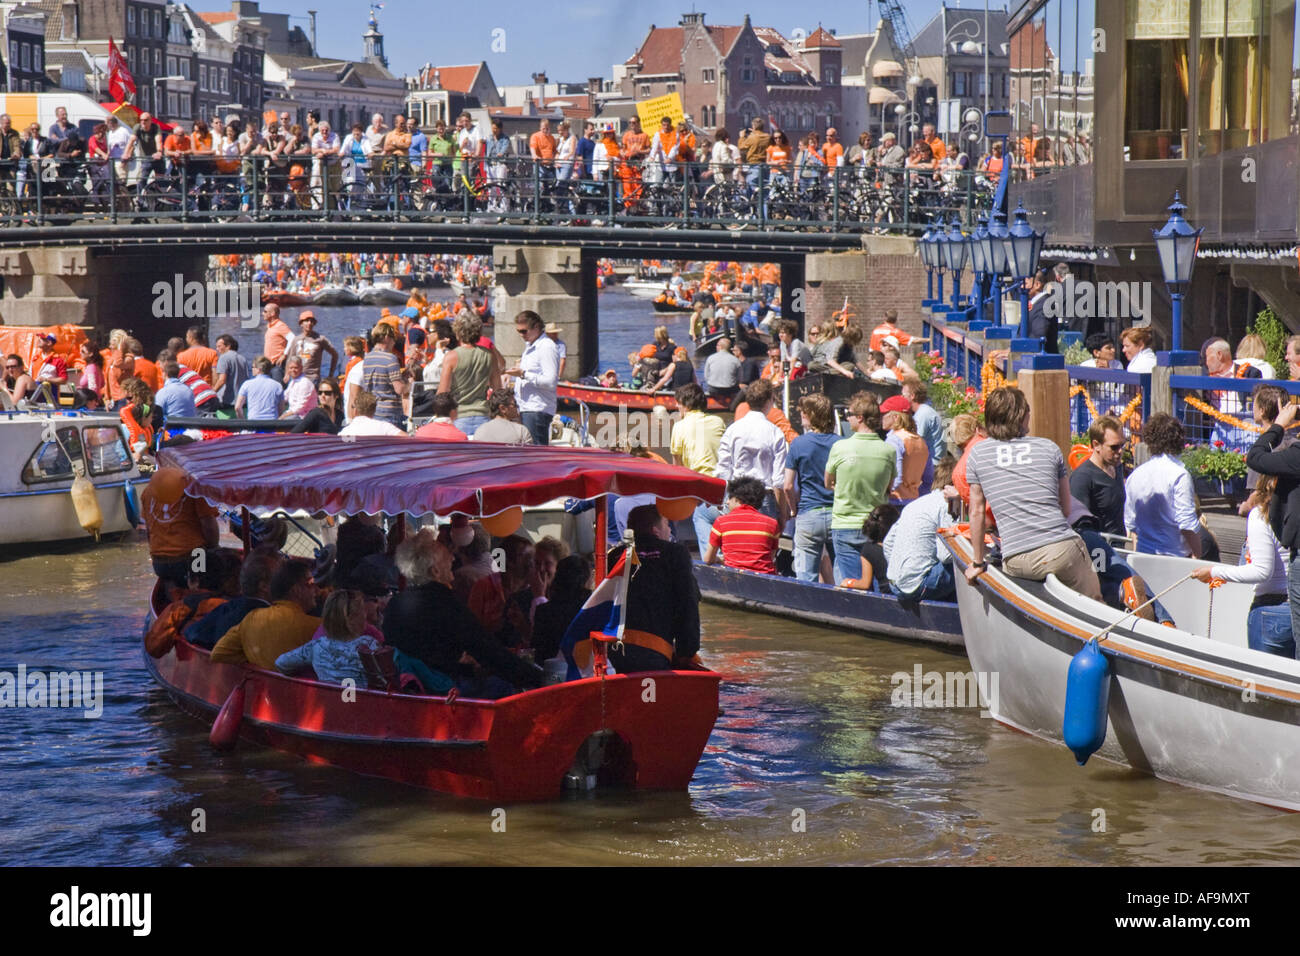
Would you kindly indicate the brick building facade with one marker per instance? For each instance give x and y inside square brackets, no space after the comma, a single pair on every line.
[727,75]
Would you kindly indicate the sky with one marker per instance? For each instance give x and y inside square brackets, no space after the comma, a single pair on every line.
[569,40]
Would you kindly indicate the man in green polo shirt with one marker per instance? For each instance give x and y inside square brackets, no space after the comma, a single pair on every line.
[860,470]
[442,149]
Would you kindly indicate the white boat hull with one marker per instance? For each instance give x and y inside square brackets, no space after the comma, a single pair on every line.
[50,516]
[1204,713]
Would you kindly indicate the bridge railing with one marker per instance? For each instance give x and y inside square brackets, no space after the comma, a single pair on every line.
[1113,392]
[695,195]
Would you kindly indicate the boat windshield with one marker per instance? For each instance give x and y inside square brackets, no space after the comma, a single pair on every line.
[50,461]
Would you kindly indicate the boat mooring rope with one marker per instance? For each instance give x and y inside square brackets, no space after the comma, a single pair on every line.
[1102,634]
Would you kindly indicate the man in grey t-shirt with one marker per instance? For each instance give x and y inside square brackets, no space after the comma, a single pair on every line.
[1025,482]
[231,370]
[722,373]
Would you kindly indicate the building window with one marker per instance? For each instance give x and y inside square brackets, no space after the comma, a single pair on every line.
[645,89]
[747,76]
[832,77]
[130,21]
[27,56]
[157,24]
[157,62]
[171,66]
[130,58]
[225,80]
[13,52]
[184,68]
[672,87]
[960,83]
[171,104]
[203,76]
[707,76]
[36,58]
[144,98]
[1155,114]
[1232,78]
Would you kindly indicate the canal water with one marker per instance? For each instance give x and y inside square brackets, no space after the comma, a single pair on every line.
[808,735]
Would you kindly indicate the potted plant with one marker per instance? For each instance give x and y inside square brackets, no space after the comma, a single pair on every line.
[1216,470]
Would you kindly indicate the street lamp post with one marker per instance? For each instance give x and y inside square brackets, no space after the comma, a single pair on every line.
[979,262]
[1023,246]
[1176,243]
[940,254]
[924,246]
[955,258]
[995,257]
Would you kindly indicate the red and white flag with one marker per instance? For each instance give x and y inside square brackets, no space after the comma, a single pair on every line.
[121,85]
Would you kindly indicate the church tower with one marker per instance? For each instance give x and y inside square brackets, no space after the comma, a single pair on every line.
[375,43]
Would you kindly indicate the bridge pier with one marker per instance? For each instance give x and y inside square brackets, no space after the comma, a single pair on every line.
[885,274]
[559,284]
[75,285]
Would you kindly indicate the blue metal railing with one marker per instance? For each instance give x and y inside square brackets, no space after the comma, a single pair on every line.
[1110,391]
[1228,397]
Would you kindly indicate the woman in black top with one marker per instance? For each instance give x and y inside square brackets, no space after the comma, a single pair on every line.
[327,417]
[680,373]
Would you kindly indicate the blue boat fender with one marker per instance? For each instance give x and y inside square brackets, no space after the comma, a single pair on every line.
[131,501]
[1087,696]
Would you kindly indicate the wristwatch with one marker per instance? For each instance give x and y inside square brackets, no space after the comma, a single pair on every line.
[982,565]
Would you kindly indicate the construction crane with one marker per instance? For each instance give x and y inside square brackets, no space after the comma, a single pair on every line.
[892,11]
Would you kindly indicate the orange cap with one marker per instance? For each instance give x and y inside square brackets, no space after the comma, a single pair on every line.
[647,351]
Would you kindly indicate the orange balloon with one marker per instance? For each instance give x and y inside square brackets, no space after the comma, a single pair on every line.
[505,523]
[1078,455]
[676,509]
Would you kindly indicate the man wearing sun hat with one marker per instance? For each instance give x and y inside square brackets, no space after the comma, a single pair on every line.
[49,366]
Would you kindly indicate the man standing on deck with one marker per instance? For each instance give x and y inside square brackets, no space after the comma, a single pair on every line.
[753,447]
[536,376]
[695,441]
[860,470]
[276,342]
[662,625]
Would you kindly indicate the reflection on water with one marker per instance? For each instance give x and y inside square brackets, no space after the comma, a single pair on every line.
[808,733]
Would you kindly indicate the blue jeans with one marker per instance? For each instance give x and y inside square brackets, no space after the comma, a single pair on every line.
[1268,629]
[848,557]
[470,423]
[939,585]
[702,520]
[538,425]
[1293,592]
[812,533]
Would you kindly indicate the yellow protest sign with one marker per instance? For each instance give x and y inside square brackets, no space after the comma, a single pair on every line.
[651,111]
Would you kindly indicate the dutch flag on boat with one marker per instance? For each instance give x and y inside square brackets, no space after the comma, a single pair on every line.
[602,612]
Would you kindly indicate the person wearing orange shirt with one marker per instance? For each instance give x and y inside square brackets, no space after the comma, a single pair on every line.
[888,327]
[833,151]
[636,146]
[178,146]
[142,368]
[198,356]
[276,341]
[778,155]
[663,147]
[541,146]
[991,164]
[686,155]
[937,149]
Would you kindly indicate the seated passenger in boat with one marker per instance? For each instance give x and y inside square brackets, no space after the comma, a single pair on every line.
[920,565]
[680,372]
[875,566]
[333,654]
[209,589]
[663,601]
[177,526]
[1026,484]
[472,547]
[254,593]
[263,635]
[16,383]
[569,591]
[743,537]
[359,536]
[428,622]
[609,379]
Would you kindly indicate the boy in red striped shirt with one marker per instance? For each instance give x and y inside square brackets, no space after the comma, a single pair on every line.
[746,537]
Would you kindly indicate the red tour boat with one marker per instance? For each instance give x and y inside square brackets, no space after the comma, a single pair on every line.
[517,748]
[599,396]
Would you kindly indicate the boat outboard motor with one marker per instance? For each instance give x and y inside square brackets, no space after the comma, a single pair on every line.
[1087,697]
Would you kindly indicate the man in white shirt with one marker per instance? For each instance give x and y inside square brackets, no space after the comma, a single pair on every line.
[117,137]
[553,333]
[752,447]
[1159,500]
[536,376]
[299,390]
[325,157]
[363,420]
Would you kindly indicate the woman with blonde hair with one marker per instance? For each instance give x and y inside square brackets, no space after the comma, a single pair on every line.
[664,346]
[332,652]
[1251,350]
